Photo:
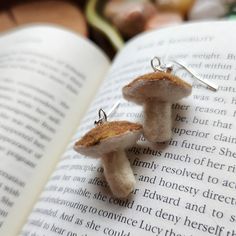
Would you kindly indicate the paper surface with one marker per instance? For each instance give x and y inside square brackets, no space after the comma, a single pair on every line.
[185,186]
[46,84]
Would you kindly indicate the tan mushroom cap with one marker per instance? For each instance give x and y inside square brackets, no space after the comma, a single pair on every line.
[159,85]
[108,137]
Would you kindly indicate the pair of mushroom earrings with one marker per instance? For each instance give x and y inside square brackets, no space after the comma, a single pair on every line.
[156,92]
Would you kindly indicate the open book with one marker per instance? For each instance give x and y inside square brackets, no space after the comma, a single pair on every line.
[52,84]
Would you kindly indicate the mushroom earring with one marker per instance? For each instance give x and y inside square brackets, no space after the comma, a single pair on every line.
[156,92]
[108,140]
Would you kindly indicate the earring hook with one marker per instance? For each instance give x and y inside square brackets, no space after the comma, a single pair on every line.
[161,67]
[168,68]
[210,85]
[103,116]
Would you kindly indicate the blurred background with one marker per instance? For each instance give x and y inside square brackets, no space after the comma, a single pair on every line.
[111,23]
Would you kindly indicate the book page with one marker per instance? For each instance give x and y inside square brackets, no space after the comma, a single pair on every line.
[46,84]
[185,186]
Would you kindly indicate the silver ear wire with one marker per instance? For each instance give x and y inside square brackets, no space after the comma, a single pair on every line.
[102,116]
[168,68]
[210,85]
[161,67]
[113,109]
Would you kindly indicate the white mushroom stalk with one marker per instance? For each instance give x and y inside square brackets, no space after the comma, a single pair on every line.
[157,121]
[108,141]
[118,173]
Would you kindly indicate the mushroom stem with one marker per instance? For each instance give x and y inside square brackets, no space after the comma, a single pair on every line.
[118,173]
[157,121]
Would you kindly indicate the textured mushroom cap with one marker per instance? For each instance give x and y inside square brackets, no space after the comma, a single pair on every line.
[157,85]
[108,137]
